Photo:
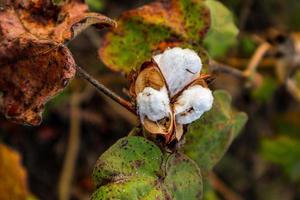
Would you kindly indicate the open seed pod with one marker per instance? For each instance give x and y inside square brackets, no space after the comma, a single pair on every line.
[150,83]
[171,93]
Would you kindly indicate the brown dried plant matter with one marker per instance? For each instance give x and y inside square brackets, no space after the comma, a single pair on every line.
[35,65]
[149,75]
[13,175]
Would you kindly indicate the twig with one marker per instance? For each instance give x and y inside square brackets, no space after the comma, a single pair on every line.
[219,186]
[293,89]
[82,73]
[65,181]
[256,58]
[241,63]
[217,68]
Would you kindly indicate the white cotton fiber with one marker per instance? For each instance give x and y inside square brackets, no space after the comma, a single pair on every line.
[192,103]
[153,104]
[179,67]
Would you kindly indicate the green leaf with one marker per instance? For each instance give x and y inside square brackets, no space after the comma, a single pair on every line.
[135,168]
[223,31]
[208,138]
[149,29]
[131,47]
[196,19]
[283,151]
[183,179]
[95,5]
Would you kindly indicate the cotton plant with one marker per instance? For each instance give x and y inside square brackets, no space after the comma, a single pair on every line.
[171,92]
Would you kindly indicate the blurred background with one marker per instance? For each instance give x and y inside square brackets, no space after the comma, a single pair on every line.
[263,163]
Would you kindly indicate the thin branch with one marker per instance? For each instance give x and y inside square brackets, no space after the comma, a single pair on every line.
[219,186]
[241,63]
[256,59]
[82,73]
[217,68]
[65,181]
[293,89]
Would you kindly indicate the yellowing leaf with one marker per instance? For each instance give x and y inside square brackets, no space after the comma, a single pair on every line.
[13,176]
[152,28]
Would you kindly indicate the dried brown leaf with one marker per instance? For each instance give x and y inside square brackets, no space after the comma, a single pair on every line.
[35,65]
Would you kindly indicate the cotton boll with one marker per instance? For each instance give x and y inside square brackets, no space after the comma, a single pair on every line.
[179,67]
[192,103]
[153,104]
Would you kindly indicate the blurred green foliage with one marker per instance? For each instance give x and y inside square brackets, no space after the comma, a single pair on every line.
[265,91]
[283,151]
[223,32]
[95,5]
[247,45]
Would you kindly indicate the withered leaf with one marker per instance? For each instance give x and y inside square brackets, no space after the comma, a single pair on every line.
[12,175]
[35,65]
